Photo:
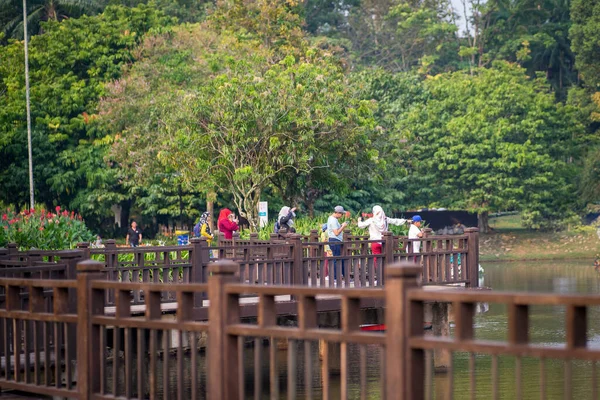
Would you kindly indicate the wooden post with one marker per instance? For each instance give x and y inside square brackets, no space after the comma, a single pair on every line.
[88,338]
[200,258]
[473,256]
[440,327]
[297,265]
[13,250]
[400,362]
[388,256]
[347,263]
[71,258]
[110,255]
[85,247]
[223,357]
[33,256]
[426,247]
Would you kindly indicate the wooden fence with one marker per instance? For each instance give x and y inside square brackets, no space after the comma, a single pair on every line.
[282,260]
[119,356]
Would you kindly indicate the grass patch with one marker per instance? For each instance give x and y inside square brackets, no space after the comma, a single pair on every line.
[509,240]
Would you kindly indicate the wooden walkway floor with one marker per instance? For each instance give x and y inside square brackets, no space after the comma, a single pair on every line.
[15,396]
[285,303]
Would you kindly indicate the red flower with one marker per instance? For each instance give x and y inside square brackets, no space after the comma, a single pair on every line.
[65,213]
[72,214]
[4,217]
[41,228]
[49,215]
[57,208]
[347,214]
[32,211]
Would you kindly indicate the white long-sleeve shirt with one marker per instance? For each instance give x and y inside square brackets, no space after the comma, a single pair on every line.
[374,232]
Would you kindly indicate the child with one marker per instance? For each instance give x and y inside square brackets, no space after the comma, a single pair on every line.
[205,227]
[326,248]
[414,232]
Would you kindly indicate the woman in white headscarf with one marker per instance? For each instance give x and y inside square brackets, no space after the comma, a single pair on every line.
[378,224]
[286,219]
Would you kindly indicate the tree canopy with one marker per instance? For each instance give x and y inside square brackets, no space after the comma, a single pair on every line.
[489,141]
[153,107]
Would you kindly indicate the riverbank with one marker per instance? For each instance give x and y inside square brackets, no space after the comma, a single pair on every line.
[509,241]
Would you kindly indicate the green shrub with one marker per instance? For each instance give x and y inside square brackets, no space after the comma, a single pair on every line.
[305,224]
[44,230]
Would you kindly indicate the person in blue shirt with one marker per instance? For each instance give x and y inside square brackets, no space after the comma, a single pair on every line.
[335,233]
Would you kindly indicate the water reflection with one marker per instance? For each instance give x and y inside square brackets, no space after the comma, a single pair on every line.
[547,326]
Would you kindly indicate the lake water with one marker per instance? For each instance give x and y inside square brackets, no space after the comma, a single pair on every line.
[547,326]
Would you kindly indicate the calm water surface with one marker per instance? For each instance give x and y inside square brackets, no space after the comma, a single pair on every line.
[547,326]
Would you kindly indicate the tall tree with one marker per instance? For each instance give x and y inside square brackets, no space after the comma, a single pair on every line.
[491,141]
[69,66]
[241,120]
[534,33]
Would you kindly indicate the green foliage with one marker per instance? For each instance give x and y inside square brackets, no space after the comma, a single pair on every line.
[304,225]
[43,230]
[585,36]
[69,65]
[39,11]
[399,36]
[589,185]
[240,116]
[534,34]
[328,17]
[492,141]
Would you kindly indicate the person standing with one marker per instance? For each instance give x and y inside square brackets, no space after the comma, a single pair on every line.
[414,232]
[134,235]
[205,227]
[335,233]
[227,223]
[377,225]
[286,220]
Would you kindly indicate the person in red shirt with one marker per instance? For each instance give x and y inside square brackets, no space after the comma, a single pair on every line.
[227,223]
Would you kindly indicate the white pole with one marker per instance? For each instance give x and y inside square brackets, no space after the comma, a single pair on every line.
[31,200]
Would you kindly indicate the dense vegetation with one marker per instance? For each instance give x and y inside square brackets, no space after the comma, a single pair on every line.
[156,108]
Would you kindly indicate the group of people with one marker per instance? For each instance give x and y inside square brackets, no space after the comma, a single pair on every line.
[332,231]
[379,223]
[227,223]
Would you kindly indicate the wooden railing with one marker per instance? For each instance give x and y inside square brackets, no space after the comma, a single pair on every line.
[121,356]
[282,260]
[519,308]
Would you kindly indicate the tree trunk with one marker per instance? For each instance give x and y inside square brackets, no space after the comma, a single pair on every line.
[484,222]
[310,204]
[247,204]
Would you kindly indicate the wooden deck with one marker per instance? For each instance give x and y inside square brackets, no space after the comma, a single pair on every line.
[285,304]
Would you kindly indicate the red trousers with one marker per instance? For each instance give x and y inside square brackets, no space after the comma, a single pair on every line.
[375,249]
